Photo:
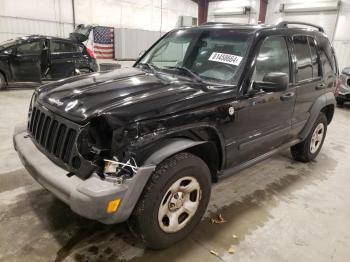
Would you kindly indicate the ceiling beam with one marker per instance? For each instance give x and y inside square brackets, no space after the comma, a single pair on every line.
[202,11]
[262,11]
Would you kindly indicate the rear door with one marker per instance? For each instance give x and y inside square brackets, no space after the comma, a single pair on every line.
[263,121]
[309,83]
[25,61]
[64,56]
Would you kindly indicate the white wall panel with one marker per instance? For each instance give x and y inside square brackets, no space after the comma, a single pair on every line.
[11,27]
[53,10]
[326,19]
[342,51]
[251,17]
[49,17]
[55,17]
[341,40]
[140,40]
[145,14]
[335,24]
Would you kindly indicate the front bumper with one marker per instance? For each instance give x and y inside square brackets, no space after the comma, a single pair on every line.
[88,198]
[344,93]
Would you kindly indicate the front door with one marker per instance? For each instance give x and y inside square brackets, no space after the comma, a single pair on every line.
[263,120]
[25,61]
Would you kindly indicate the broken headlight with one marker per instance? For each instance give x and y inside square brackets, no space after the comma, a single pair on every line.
[115,167]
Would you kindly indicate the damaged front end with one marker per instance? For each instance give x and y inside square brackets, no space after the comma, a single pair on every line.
[109,200]
[100,147]
[105,144]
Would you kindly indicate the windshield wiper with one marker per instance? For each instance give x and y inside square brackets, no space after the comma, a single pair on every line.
[148,65]
[187,71]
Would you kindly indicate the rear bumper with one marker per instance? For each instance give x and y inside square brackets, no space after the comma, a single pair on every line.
[88,198]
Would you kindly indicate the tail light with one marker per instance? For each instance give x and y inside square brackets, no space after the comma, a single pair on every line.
[91,53]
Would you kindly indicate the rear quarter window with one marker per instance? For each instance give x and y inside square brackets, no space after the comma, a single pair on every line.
[327,58]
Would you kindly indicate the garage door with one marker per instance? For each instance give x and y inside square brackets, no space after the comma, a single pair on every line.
[322,13]
[327,20]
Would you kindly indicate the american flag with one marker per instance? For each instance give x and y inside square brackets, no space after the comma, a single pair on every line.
[103,42]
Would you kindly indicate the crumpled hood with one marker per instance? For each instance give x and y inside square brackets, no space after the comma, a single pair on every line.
[130,94]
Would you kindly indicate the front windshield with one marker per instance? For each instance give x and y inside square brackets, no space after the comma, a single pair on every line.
[211,54]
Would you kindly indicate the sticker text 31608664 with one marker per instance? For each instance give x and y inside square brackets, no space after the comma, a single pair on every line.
[225,58]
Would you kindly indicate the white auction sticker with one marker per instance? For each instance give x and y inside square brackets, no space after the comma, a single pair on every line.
[225,58]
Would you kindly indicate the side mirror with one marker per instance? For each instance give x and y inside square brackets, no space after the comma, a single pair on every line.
[273,82]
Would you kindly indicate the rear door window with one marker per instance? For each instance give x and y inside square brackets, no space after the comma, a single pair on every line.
[303,55]
[63,47]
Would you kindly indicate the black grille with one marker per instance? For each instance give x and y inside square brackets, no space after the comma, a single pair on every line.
[52,134]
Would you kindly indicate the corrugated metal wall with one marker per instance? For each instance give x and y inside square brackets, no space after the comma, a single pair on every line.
[249,17]
[130,42]
[12,27]
[336,24]
[342,51]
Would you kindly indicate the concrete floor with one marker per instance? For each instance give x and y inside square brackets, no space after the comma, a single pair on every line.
[280,210]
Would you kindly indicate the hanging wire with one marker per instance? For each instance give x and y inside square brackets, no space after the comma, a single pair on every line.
[133,165]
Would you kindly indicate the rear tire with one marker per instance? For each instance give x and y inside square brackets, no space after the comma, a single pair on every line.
[307,150]
[173,201]
[3,83]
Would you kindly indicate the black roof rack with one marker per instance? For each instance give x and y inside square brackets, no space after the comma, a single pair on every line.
[219,23]
[227,23]
[284,24]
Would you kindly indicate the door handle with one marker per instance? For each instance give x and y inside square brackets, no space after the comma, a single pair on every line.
[287,96]
[320,86]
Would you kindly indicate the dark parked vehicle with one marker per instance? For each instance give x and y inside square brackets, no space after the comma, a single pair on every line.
[144,144]
[36,58]
[342,92]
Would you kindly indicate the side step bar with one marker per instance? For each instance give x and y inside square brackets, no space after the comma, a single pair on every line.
[230,171]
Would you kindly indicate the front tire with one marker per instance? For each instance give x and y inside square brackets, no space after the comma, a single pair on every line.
[173,201]
[307,150]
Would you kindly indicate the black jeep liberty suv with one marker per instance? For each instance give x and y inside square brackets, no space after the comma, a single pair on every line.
[144,144]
